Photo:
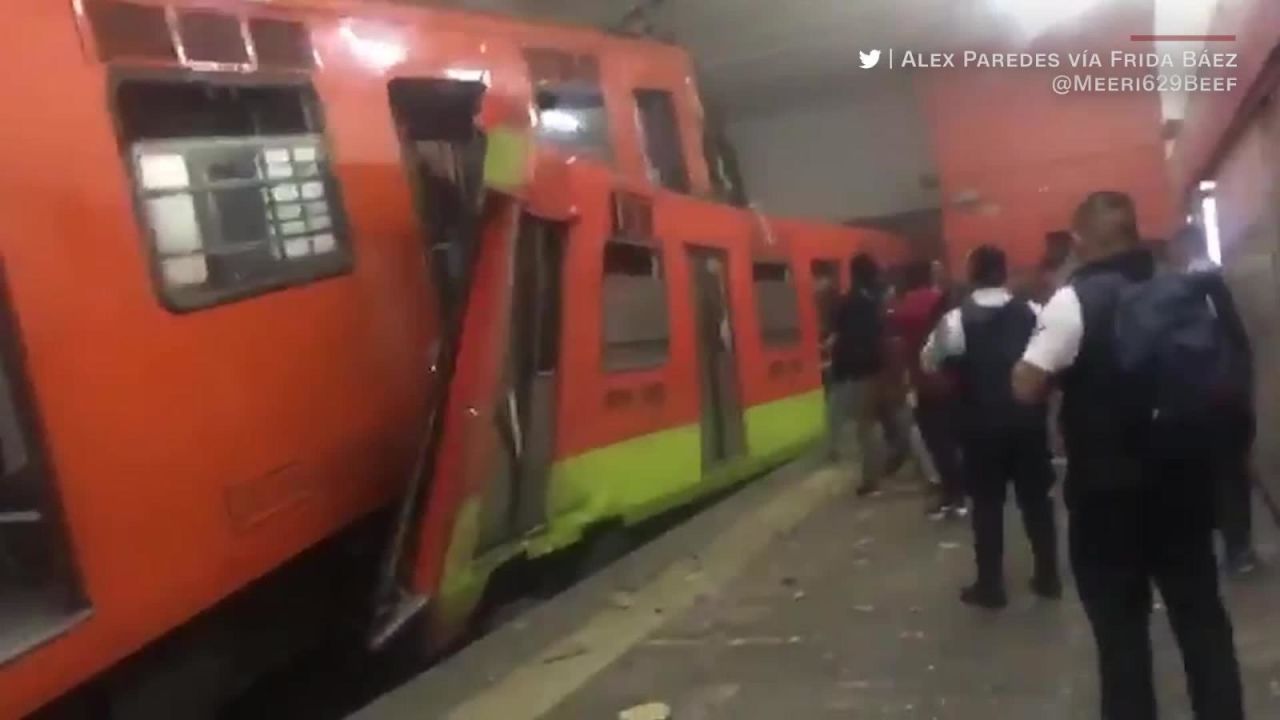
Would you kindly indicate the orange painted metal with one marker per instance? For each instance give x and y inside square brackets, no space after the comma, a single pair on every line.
[1014,158]
[194,453]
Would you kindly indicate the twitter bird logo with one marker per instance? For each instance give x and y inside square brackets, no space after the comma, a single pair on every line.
[869,59]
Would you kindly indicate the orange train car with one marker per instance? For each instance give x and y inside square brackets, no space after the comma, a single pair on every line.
[306,299]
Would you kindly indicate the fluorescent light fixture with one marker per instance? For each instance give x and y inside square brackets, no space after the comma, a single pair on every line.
[380,54]
[1035,17]
[560,121]
[1213,240]
[1208,185]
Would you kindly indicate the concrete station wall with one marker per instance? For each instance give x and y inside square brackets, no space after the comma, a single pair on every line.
[839,159]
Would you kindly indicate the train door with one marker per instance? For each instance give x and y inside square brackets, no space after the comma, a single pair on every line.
[533,366]
[826,293]
[723,435]
[444,153]
[40,594]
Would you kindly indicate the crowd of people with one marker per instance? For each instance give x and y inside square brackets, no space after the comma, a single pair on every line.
[1147,368]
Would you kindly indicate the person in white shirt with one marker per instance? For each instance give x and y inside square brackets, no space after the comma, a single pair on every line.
[1003,441]
[1139,511]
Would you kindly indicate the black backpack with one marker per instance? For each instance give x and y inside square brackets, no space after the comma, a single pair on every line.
[1174,344]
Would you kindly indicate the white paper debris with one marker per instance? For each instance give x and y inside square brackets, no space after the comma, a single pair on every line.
[648,711]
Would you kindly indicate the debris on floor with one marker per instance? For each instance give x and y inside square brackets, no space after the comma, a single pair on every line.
[648,711]
[566,653]
[673,642]
[765,641]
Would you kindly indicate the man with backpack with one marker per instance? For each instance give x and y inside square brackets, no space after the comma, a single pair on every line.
[1142,366]
[1004,441]
[1233,475]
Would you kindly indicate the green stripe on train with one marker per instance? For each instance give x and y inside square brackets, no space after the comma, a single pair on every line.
[629,482]
[645,476]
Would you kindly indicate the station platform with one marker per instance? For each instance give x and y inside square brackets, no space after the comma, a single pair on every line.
[792,599]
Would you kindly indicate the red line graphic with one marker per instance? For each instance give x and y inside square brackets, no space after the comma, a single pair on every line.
[1182,38]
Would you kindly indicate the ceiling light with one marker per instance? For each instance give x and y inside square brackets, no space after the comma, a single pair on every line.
[379,53]
[1212,234]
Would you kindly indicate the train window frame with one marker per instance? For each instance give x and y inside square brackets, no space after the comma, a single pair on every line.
[616,357]
[552,99]
[577,86]
[283,271]
[662,140]
[721,159]
[766,288]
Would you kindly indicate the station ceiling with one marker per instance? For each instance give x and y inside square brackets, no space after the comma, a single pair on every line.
[754,55]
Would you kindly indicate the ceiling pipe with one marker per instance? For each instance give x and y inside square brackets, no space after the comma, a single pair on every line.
[639,20]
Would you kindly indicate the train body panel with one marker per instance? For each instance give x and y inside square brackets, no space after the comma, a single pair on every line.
[192,452]
[205,421]
[632,442]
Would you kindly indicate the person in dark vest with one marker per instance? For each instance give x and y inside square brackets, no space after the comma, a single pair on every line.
[1139,510]
[1004,441]
[858,366]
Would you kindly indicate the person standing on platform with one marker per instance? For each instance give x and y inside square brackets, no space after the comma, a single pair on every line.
[1004,441]
[1233,475]
[858,365]
[1139,482]
[919,309]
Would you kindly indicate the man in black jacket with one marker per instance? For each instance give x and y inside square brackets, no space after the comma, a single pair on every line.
[857,364]
[1004,441]
[1140,510]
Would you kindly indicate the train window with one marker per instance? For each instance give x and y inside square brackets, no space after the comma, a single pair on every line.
[214,37]
[656,112]
[574,119]
[571,107]
[636,331]
[776,304]
[280,43]
[722,162]
[234,186]
[826,292]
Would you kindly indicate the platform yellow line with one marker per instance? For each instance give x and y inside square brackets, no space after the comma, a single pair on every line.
[533,689]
